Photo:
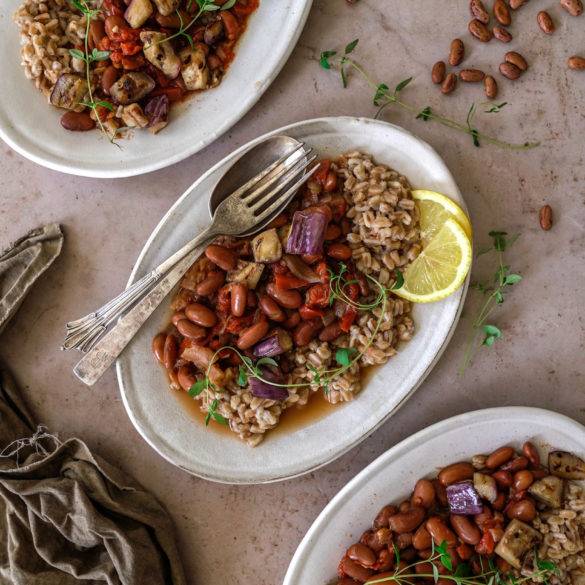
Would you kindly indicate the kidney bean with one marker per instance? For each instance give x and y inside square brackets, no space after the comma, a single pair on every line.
[221,256]
[424,493]
[422,539]
[292,321]
[426,568]
[158,347]
[439,531]
[465,528]
[332,232]
[355,571]
[306,331]
[539,473]
[271,309]
[109,77]
[531,453]
[200,314]
[361,554]
[170,352]
[499,457]
[500,502]
[253,334]
[404,506]
[279,221]
[465,552]
[456,472]
[174,379]
[503,478]
[289,299]
[524,510]
[97,32]
[239,298]
[114,24]
[385,560]
[331,332]
[177,317]
[381,520]
[185,378]
[232,28]
[339,251]
[504,566]
[440,492]
[408,554]
[523,480]
[77,121]
[212,282]
[330,182]
[407,521]
[403,541]
[251,299]
[376,540]
[190,330]
[516,464]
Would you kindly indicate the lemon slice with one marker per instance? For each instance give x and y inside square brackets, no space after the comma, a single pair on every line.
[441,267]
[435,209]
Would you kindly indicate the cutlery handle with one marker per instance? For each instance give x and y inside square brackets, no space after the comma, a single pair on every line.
[105,352]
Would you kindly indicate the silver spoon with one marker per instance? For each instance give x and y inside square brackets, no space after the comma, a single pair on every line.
[239,214]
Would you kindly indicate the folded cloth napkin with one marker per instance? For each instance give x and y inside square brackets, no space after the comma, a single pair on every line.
[66,515]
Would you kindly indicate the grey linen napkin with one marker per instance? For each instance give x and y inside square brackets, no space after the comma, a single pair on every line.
[66,515]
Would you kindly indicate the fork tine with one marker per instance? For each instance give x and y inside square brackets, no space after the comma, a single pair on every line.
[257,178]
[294,172]
[266,183]
[286,196]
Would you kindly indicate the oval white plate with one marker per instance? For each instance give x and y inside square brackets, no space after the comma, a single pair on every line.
[391,477]
[30,126]
[162,421]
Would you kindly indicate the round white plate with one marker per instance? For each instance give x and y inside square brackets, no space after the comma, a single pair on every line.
[31,126]
[162,421]
[391,477]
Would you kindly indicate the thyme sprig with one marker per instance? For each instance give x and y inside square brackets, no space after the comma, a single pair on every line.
[462,575]
[203,6]
[89,58]
[384,97]
[494,291]
[345,357]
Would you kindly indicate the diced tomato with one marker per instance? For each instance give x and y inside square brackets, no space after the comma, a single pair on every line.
[288,281]
[279,267]
[323,271]
[318,296]
[324,209]
[308,313]
[279,221]
[486,545]
[348,318]
[338,206]
[224,302]
[465,551]
[236,324]
[352,291]
[244,9]
[321,175]
[112,8]
[173,93]
[129,49]
[104,44]
[132,63]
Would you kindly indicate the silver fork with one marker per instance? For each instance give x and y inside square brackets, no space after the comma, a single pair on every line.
[240,220]
[249,205]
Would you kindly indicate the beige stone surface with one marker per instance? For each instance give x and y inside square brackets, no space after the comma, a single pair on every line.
[247,535]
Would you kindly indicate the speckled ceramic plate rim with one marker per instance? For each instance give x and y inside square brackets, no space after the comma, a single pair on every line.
[22,144]
[139,269]
[435,442]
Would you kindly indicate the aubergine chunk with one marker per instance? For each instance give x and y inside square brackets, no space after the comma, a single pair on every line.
[548,490]
[518,539]
[266,246]
[166,7]
[138,12]
[69,91]
[566,465]
[194,68]
[132,87]
[247,272]
[160,53]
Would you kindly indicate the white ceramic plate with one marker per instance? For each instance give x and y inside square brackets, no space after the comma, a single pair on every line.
[391,477]
[164,423]
[30,126]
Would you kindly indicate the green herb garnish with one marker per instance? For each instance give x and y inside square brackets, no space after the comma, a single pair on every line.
[494,291]
[383,98]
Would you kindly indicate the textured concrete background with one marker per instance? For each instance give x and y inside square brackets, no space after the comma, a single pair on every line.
[248,534]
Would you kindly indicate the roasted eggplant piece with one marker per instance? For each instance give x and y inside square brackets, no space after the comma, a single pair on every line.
[246,272]
[166,7]
[548,490]
[194,68]
[132,87]
[69,91]
[160,53]
[485,486]
[214,33]
[518,539]
[138,12]
[566,465]
[157,112]
[266,246]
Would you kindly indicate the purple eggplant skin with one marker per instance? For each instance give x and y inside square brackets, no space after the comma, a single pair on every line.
[307,232]
[157,112]
[278,343]
[464,499]
[262,389]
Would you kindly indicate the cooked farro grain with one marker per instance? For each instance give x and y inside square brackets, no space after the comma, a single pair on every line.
[384,235]
[563,532]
